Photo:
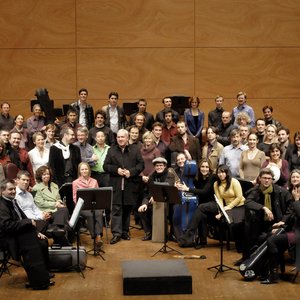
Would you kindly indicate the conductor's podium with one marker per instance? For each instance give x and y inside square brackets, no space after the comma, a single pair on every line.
[156,277]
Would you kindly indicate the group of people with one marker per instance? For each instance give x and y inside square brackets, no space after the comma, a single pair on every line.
[129,153]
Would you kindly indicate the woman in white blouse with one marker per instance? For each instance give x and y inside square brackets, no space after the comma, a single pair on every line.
[39,155]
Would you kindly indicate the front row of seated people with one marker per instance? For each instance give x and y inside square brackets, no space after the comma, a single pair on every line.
[271,206]
[255,215]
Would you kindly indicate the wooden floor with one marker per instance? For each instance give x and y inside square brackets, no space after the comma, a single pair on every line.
[105,280]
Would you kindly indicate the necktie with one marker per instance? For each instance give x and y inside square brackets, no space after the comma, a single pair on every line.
[16,208]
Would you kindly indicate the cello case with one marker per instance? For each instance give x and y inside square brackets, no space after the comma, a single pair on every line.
[252,267]
[189,202]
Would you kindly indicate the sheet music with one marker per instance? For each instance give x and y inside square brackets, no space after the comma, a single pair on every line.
[223,210]
[76,212]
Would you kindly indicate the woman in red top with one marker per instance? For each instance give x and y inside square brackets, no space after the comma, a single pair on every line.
[84,181]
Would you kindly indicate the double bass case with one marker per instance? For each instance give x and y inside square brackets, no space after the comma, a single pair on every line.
[254,265]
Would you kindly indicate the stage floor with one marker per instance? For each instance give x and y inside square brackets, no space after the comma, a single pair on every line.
[105,280]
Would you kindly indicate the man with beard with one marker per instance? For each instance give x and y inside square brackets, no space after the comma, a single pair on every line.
[64,158]
[185,143]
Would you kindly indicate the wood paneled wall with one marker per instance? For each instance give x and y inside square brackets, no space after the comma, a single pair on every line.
[150,49]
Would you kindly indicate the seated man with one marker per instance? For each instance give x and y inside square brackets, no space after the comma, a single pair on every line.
[161,174]
[19,235]
[266,205]
[52,224]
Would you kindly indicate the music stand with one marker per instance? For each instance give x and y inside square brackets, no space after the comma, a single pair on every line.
[73,224]
[96,199]
[225,219]
[165,193]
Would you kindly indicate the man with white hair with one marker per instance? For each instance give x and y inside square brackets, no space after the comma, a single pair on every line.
[124,163]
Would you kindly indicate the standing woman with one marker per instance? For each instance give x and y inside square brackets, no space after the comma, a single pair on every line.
[149,151]
[228,190]
[277,161]
[251,160]
[212,149]
[293,156]
[19,127]
[269,138]
[39,155]
[85,181]
[194,118]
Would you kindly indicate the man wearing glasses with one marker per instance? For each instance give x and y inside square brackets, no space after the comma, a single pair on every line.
[266,208]
[64,158]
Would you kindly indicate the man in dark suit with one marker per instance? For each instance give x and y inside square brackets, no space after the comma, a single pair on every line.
[64,158]
[124,163]
[19,235]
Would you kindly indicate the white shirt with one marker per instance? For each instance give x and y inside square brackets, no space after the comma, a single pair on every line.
[37,159]
[26,203]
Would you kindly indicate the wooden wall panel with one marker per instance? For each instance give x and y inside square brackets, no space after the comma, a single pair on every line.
[37,24]
[135,23]
[137,72]
[243,23]
[261,72]
[25,70]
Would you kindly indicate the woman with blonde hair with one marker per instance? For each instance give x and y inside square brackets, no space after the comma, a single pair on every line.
[269,139]
[149,151]
[39,155]
[85,181]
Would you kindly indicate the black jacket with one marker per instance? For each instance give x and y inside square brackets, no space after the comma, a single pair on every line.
[281,200]
[89,113]
[11,226]
[131,160]
[57,163]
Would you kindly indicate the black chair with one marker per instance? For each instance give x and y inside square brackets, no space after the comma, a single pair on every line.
[4,259]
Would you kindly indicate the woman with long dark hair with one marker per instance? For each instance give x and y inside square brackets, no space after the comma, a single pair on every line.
[229,192]
[203,189]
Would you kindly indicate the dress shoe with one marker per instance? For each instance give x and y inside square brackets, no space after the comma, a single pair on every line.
[272,278]
[125,236]
[115,240]
[268,281]
[42,287]
[200,245]
[147,237]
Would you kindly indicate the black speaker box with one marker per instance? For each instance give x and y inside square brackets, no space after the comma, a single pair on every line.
[156,277]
